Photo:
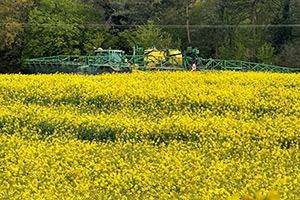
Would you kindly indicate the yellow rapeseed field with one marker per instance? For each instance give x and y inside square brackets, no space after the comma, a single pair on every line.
[153,135]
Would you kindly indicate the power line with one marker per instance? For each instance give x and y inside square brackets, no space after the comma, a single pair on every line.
[160,26]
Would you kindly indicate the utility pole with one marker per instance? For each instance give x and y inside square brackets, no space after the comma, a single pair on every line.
[188,25]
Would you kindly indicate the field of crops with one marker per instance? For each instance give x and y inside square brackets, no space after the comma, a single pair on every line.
[156,135]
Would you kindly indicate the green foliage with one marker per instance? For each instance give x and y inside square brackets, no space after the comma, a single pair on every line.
[266,53]
[228,29]
[12,16]
[127,12]
[61,27]
[95,39]
[148,36]
[206,39]
[247,43]
[11,20]
[238,52]
[290,54]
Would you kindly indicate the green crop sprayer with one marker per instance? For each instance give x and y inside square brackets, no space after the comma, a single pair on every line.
[108,61]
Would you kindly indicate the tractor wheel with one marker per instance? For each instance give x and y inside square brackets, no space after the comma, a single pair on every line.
[104,70]
[126,70]
[80,73]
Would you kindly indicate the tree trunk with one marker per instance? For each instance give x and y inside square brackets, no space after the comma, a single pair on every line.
[188,26]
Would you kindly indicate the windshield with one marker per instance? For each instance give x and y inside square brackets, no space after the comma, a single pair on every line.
[110,56]
[116,57]
[101,53]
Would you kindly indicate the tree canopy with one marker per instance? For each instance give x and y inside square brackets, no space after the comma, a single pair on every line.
[61,27]
[253,30]
[13,16]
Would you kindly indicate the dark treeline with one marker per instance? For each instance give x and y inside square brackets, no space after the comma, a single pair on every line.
[266,31]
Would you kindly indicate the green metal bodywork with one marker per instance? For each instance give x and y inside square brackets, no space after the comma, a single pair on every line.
[115,61]
[99,63]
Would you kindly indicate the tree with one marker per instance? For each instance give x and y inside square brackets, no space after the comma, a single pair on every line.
[147,36]
[61,27]
[123,14]
[64,27]
[246,38]
[290,54]
[172,12]
[204,35]
[286,37]
[13,18]
[288,46]
[282,34]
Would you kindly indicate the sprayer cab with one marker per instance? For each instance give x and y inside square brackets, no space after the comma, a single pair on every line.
[114,56]
[191,52]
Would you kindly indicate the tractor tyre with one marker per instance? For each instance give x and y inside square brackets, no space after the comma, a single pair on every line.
[104,70]
[126,70]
